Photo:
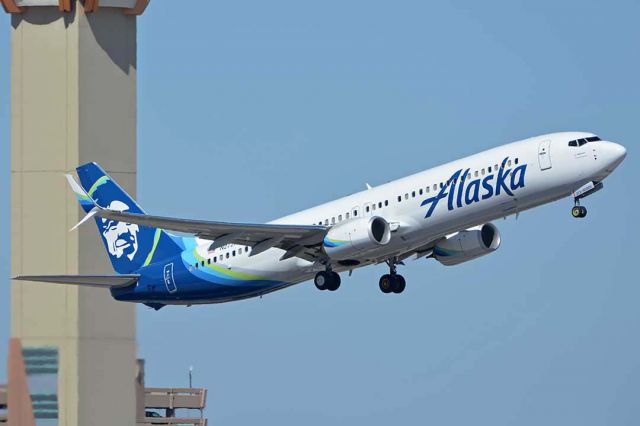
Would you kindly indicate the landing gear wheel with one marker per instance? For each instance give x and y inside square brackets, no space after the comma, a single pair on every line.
[327,280]
[321,280]
[579,212]
[575,212]
[583,212]
[334,282]
[400,284]
[386,283]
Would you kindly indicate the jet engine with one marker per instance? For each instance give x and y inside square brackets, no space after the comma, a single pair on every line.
[356,238]
[467,245]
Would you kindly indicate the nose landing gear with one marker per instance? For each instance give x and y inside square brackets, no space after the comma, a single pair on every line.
[578,211]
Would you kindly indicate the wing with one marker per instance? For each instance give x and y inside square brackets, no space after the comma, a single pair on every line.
[302,241]
[294,239]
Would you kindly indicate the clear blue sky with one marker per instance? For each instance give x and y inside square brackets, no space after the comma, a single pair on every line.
[252,110]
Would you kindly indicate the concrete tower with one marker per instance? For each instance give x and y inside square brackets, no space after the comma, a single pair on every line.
[73,100]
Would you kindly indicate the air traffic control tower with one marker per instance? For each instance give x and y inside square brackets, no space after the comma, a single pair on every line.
[73,100]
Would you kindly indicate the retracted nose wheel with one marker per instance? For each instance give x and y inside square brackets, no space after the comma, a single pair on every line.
[579,212]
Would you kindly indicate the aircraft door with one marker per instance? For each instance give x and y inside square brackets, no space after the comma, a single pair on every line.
[544,155]
[169,281]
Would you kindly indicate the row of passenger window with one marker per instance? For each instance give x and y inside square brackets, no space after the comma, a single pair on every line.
[372,206]
[227,255]
[580,142]
[477,173]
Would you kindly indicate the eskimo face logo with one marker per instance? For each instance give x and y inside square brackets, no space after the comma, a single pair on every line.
[462,190]
[121,238]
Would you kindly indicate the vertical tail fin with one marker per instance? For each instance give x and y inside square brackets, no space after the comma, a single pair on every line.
[129,246]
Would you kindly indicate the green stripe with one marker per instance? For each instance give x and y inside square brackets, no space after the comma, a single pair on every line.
[97,183]
[156,238]
[227,272]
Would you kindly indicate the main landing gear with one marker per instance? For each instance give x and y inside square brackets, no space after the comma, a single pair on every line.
[578,211]
[327,280]
[392,282]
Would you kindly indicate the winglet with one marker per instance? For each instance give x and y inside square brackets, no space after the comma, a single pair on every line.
[88,216]
[80,193]
[85,201]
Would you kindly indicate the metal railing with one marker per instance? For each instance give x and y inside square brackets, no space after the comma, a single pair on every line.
[3,403]
[171,421]
[172,398]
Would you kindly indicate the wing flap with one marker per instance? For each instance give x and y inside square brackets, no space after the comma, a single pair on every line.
[250,234]
[102,281]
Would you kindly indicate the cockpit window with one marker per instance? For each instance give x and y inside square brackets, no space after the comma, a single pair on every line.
[580,142]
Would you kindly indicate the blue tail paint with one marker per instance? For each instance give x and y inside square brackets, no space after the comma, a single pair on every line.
[130,246]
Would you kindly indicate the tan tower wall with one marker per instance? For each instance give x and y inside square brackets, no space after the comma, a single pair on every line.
[73,100]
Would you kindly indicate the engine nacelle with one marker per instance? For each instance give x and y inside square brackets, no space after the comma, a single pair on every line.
[356,238]
[467,245]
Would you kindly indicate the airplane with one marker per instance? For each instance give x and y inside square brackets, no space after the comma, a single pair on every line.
[443,213]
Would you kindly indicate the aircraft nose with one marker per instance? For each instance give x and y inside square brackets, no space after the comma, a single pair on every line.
[619,152]
[614,154]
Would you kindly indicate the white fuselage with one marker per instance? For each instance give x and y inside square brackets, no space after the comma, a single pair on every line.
[552,170]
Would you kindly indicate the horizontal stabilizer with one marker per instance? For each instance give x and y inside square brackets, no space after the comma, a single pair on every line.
[104,281]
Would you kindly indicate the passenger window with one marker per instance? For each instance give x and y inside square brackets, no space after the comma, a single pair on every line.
[413,194]
[209,261]
[476,173]
[482,172]
[497,167]
[406,196]
[326,222]
[227,255]
[355,213]
[435,186]
[441,185]
[367,209]
[380,205]
[399,198]
[347,215]
[196,265]
[420,192]
[516,161]
[386,203]
[246,249]
[215,259]
[339,218]
[373,206]
[489,169]
[428,188]
[509,163]
[234,253]
[333,220]
[203,263]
